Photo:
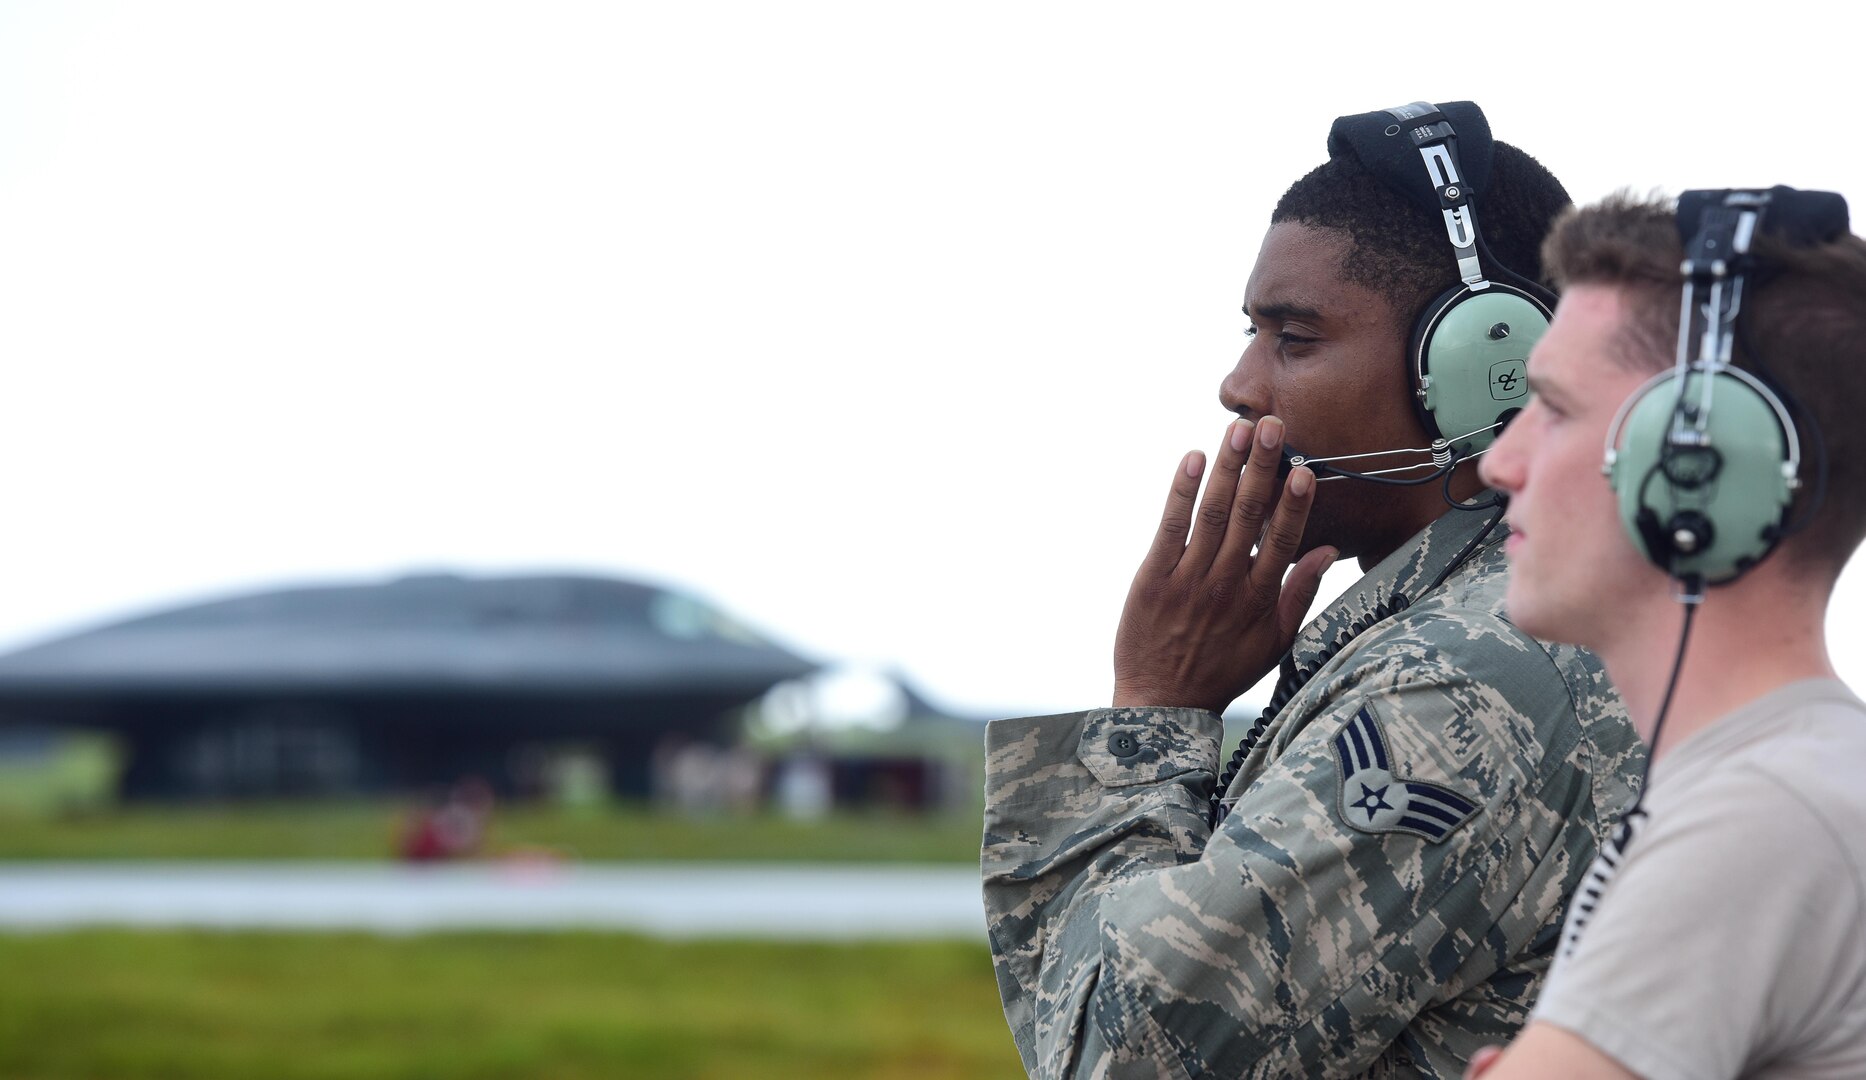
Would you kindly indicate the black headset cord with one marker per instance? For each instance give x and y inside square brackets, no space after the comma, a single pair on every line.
[1695,592]
[1613,852]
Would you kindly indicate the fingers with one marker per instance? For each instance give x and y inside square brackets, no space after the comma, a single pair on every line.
[1199,633]
[1251,503]
[1284,535]
[1257,488]
[1169,543]
[1213,523]
[1299,589]
[1218,533]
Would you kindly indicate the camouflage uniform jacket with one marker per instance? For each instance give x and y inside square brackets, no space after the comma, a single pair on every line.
[1388,888]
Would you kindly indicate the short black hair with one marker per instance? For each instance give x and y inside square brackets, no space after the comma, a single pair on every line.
[1399,248]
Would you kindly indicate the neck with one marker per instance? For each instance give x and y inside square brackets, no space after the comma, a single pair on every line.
[1419,507]
[1750,637]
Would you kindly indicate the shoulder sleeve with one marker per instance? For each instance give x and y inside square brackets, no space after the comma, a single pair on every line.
[1727,938]
[1074,803]
[1364,870]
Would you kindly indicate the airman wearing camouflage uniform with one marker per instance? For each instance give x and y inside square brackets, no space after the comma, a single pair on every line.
[1388,875]
[1389,883]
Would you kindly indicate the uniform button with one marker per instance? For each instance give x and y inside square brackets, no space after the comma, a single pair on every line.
[1123,744]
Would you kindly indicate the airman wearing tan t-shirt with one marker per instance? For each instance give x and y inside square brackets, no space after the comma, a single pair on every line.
[1723,933]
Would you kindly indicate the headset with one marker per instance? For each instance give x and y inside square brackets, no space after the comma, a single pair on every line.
[1469,346]
[1705,459]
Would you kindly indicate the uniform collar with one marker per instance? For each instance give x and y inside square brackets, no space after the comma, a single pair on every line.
[1407,572]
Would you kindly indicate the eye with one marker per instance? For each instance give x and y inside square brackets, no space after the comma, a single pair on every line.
[1283,338]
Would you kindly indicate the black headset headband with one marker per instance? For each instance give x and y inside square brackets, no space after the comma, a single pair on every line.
[1438,157]
[1375,140]
[1718,227]
[1799,218]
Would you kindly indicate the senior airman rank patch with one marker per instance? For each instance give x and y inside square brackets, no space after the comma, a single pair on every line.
[1374,800]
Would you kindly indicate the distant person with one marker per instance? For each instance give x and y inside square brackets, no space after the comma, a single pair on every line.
[1374,884]
[1723,934]
[451,828]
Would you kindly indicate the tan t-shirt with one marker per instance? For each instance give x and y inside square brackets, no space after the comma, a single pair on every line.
[1728,942]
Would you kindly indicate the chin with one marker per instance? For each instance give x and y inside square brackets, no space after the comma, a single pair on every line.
[1527,611]
[1326,529]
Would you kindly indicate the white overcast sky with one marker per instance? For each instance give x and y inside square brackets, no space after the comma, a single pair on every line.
[881,325]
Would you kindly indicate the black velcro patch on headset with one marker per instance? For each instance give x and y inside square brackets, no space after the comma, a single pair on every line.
[1378,141]
[1800,218]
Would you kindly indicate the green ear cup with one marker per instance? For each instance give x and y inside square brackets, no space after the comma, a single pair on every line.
[1471,356]
[1738,485]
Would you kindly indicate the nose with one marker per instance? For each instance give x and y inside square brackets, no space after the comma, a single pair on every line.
[1244,391]
[1502,466]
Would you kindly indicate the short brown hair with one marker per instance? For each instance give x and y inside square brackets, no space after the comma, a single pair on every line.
[1804,314]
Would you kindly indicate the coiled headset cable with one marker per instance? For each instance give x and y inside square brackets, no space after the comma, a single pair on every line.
[1290,683]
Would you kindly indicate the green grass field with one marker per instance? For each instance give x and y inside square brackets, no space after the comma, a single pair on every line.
[171,1004]
[106,1005]
[343,830]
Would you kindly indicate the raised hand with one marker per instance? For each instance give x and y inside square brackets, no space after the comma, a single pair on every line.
[1209,612]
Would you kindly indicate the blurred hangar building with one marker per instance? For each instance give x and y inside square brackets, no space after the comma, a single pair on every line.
[396,686]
